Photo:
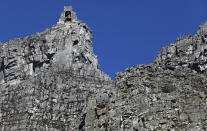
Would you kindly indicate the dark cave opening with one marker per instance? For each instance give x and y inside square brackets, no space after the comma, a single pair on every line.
[75,42]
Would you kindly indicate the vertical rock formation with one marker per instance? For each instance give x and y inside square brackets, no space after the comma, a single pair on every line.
[51,81]
[170,94]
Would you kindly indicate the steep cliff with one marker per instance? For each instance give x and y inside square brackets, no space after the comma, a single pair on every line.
[169,94]
[51,81]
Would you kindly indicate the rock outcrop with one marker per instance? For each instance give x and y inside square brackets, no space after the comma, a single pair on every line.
[51,81]
[188,52]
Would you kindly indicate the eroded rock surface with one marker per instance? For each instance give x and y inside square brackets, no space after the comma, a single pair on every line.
[153,98]
[51,81]
[188,52]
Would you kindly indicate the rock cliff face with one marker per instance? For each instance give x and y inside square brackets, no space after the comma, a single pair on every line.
[51,81]
[189,51]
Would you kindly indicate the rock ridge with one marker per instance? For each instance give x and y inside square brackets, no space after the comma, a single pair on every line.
[51,81]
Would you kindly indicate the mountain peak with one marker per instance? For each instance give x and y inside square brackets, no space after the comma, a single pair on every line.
[68,15]
[51,81]
[67,45]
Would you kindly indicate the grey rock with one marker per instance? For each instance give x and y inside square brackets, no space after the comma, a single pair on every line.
[51,81]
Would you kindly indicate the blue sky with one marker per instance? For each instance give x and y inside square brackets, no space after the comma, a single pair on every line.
[126,32]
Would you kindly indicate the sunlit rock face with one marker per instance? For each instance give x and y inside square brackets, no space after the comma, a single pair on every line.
[189,51]
[170,94]
[68,44]
[51,81]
